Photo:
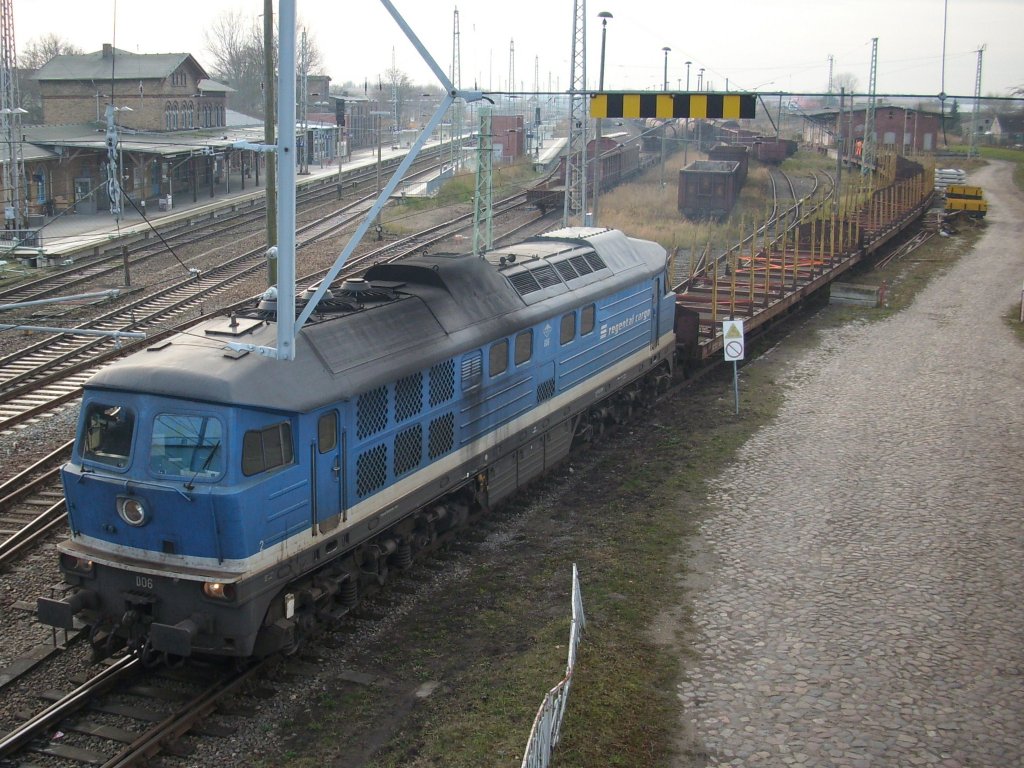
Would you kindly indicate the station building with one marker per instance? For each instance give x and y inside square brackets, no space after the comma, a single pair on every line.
[906,130]
[176,134]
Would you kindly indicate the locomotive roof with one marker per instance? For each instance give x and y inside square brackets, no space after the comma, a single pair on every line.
[440,305]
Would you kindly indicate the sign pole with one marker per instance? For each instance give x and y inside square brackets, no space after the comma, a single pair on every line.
[736,385]
[732,349]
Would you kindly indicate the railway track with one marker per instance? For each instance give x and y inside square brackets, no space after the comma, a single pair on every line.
[158,707]
[88,271]
[32,503]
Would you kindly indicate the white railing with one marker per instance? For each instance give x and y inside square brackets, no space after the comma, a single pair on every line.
[547,724]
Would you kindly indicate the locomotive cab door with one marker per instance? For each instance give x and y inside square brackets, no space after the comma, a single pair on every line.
[327,468]
[655,296]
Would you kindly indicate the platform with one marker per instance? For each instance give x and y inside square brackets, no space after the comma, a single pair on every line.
[71,235]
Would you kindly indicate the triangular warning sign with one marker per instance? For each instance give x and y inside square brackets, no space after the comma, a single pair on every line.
[733,331]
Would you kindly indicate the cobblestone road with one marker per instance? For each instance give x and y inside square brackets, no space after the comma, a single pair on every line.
[861,598]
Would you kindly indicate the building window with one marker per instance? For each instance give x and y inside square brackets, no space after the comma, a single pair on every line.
[191,115]
[167,116]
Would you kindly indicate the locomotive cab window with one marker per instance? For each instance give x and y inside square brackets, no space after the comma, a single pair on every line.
[524,347]
[107,434]
[267,448]
[587,320]
[568,329]
[498,361]
[188,446]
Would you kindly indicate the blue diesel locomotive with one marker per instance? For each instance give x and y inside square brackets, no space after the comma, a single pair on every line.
[223,503]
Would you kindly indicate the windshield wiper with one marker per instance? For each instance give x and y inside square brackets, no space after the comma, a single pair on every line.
[213,451]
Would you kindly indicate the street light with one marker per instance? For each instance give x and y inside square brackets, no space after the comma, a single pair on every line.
[700,79]
[378,114]
[666,49]
[603,16]
[686,126]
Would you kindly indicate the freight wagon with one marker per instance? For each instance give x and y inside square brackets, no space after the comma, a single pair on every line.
[708,188]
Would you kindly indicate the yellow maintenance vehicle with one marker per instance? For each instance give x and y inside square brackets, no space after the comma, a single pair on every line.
[970,200]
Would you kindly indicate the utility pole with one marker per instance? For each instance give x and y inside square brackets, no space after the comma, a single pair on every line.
[456,78]
[11,112]
[977,104]
[304,156]
[483,226]
[576,149]
[867,158]
[839,155]
[269,108]
[831,62]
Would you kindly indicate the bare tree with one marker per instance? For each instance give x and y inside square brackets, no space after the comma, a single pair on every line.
[398,89]
[43,48]
[235,45]
[37,53]
[846,80]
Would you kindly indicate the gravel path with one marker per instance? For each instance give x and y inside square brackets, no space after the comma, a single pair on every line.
[859,598]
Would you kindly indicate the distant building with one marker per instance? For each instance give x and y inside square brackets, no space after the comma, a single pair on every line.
[906,130]
[151,91]
[1007,129]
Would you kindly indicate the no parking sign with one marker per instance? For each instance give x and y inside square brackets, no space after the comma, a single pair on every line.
[732,347]
[732,339]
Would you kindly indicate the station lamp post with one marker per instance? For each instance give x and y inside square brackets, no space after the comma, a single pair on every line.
[666,49]
[686,129]
[378,113]
[603,16]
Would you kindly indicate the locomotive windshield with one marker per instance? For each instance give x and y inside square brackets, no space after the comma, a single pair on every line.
[107,434]
[187,446]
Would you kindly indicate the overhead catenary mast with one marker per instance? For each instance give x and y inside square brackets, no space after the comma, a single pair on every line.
[977,103]
[10,125]
[870,138]
[575,158]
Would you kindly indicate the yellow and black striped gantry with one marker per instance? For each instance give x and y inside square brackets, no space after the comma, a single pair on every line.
[728,106]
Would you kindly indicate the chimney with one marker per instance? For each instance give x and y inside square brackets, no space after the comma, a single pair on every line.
[108,50]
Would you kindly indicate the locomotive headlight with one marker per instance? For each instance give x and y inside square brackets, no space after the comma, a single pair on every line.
[132,510]
[76,564]
[219,591]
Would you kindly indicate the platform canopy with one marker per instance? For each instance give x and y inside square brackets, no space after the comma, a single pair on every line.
[729,106]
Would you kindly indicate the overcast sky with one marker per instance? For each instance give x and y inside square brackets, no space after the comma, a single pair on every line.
[766,45]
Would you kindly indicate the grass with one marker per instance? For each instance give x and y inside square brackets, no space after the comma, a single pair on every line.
[455,193]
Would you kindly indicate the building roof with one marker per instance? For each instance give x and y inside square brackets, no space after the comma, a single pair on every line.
[88,136]
[206,85]
[114,64]
[1011,123]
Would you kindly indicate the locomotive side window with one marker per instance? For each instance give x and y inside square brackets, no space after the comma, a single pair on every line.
[187,445]
[327,432]
[498,361]
[568,330]
[524,347]
[267,448]
[107,434]
[587,320]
